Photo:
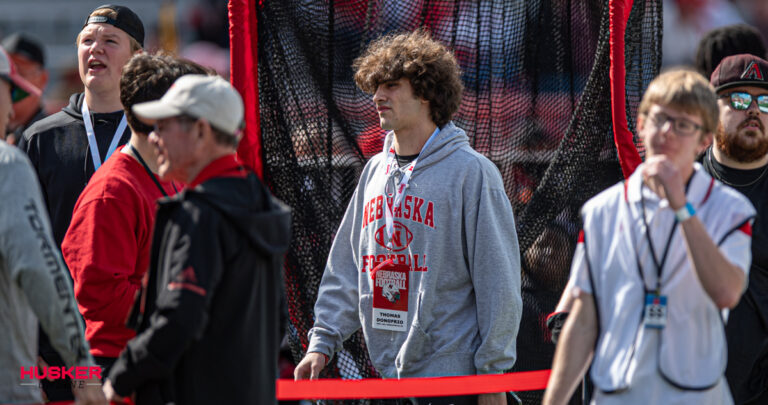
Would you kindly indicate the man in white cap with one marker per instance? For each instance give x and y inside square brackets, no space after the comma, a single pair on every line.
[33,278]
[213,295]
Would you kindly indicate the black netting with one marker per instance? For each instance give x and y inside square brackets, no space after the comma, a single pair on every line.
[536,102]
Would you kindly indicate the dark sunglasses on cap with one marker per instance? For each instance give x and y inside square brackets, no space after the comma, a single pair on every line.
[18,94]
[741,101]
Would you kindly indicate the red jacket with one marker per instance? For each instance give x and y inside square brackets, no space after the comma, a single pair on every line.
[107,248]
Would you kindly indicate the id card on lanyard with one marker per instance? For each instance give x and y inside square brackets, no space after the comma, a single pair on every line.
[655,308]
[390,296]
[391,280]
[655,311]
[92,144]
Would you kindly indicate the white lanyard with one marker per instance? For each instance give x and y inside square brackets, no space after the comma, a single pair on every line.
[92,136]
[400,188]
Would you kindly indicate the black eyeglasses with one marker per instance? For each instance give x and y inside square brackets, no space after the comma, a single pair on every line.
[183,120]
[681,126]
[741,100]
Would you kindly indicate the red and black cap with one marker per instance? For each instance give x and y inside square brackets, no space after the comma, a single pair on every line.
[740,70]
[126,20]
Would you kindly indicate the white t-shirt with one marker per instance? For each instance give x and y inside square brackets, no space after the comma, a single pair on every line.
[633,363]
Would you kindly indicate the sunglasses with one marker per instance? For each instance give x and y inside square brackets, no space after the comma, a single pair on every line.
[18,94]
[741,101]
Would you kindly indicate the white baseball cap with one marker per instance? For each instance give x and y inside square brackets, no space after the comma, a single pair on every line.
[208,97]
[9,73]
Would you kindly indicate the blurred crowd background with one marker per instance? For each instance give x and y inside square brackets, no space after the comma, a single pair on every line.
[198,30]
[686,21]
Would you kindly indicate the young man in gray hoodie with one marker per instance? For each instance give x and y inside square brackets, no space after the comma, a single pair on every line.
[33,279]
[426,259]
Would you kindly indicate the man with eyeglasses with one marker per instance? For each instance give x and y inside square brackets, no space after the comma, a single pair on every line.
[739,158]
[660,256]
[209,330]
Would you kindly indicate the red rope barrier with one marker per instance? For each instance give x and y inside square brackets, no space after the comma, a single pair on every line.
[411,387]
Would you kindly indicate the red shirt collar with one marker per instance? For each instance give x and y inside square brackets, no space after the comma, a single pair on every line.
[226,166]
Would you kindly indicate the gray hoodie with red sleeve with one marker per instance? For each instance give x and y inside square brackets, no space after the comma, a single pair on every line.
[34,284]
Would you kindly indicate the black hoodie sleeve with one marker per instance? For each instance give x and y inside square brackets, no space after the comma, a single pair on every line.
[190,268]
[28,144]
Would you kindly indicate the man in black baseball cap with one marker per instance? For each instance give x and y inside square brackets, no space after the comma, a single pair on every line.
[67,147]
[739,158]
[28,56]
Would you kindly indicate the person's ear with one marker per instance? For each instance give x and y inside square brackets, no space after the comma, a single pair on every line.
[42,80]
[202,126]
[704,143]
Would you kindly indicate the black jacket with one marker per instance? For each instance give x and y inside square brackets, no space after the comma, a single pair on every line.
[58,148]
[19,131]
[210,333]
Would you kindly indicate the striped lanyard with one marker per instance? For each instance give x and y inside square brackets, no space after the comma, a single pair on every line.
[392,168]
[92,137]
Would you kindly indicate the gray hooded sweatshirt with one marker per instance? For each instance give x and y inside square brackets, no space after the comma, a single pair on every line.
[455,230]
[34,283]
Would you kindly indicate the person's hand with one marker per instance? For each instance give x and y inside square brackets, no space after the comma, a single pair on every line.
[309,366]
[499,398]
[110,393]
[88,392]
[42,365]
[664,178]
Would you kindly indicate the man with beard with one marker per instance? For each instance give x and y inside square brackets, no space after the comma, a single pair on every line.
[739,158]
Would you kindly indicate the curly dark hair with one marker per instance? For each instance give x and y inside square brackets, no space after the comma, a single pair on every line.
[146,77]
[722,42]
[429,66]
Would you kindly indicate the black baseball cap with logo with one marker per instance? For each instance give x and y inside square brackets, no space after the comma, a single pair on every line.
[740,70]
[126,20]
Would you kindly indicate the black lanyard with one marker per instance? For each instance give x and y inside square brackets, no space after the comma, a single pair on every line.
[658,263]
[136,154]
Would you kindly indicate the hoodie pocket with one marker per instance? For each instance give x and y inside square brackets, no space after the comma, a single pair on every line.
[417,345]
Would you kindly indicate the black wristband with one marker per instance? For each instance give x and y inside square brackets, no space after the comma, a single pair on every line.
[555,322]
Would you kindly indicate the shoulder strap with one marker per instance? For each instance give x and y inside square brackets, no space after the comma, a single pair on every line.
[136,154]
